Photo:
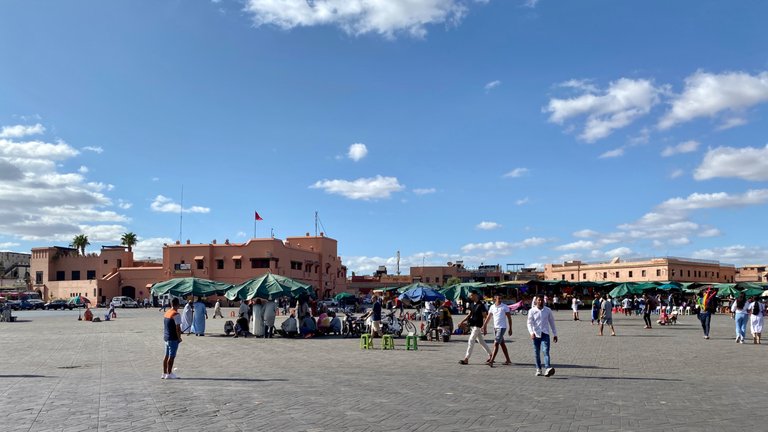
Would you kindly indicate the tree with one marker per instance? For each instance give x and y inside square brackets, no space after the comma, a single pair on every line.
[452,281]
[129,239]
[80,242]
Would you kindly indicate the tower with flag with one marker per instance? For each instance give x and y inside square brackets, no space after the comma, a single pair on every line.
[256,218]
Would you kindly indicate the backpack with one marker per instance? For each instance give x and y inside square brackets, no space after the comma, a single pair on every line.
[756,308]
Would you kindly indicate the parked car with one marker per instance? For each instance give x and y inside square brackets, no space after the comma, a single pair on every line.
[123,302]
[36,303]
[58,304]
[21,305]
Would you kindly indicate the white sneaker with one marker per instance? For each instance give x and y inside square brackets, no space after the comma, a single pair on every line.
[171,376]
[164,376]
[549,372]
[538,372]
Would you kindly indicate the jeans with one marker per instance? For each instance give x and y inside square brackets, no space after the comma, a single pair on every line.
[741,324]
[706,319]
[647,318]
[538,344]
[476,336]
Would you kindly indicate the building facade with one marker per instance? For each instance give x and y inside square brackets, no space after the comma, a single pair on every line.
[59,272]
[643,270]
[14,270]
[439,275]
[752,273]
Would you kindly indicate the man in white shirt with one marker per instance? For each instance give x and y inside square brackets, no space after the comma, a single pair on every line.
[541,323]
[501,316]
[606,315]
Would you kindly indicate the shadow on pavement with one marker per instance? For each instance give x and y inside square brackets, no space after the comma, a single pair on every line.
[618,378]
[234,379]
[23,376]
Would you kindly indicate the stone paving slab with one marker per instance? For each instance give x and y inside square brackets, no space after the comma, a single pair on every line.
[57,373]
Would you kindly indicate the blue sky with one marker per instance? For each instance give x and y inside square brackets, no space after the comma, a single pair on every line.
[489,131]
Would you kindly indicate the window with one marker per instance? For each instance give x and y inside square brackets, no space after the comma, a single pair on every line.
[584,276]
[562,277]
[437,280]
[38,277]
[94,292]
[642,273]
[605,275]
[673,272]
[618,274]
[630,273]
[200,264]
[427,280]
[106,261]
[238,264]
[658,272]
[219,264]
[259,263]
[90,275]
[718,275]
[689,273]
[296,265]
[75,274]
[60,275]
[572,276]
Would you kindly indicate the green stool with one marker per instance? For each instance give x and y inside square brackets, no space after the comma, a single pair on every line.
[387,342]
[411,343]
[366,342]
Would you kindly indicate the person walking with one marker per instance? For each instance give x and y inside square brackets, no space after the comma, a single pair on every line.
[163,304]
[474,320]
[606,314]
[575,307]
[648,306]
[198,320]
[376,317]
[258,318]
[217,310]
[596,309]
[270,313]
[756,319]
[186,317]
[501,317]
[172,338]
[541,323]
[707,307]
[739,315]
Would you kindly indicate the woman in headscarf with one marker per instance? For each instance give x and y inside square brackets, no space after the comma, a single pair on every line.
[186,317]
[198,320]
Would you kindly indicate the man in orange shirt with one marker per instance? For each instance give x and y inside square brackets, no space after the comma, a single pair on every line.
[172,337]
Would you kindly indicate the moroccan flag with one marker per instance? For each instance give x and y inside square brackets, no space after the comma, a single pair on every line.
[256,215]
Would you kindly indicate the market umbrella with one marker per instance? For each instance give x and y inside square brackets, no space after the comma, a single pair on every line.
[461,291]
[727,289]
[670,286]
[182,287]
[343,297]
[420,294]
[405,288]
[624,289]
[269,286]
[752,292]
[78,300]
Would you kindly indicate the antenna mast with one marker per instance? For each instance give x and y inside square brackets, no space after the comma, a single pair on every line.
[315,223]
[398,263]
[181,213]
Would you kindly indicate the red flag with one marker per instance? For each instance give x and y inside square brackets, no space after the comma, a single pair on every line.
[257,216]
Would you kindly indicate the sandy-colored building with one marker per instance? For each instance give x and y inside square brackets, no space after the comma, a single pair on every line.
[752,273]
[59,272]
[380,279]
[439,275]
[642,270]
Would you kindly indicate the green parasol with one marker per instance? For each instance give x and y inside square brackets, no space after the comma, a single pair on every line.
[343,296]
[182,287]
[269,286]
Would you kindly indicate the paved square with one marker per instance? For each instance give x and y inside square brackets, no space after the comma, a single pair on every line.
[57,373]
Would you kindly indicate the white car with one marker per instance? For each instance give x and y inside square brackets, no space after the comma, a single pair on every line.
[123,302]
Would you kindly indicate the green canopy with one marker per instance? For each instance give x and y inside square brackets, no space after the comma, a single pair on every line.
[269,286]
[628,288]
[403,289]
[461,291]
[182,287]
[752,292]
[726,290]
[343,296]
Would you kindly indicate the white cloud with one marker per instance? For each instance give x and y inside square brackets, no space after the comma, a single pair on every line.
[487,226]
[125,205]
[97,150]
[357,151]
[5,246]
[732,123]
[151,247]
[618,252]
[623,102]
[586,244]
[706,95]
[676,173]
[357,17]
[522,201]
[492,85]
[746,163]
[19,131]
[531,3]
[424,191]
[373,188]
[38,202]
[503,247]
[711,232]
[241,234]
[83,169]
[163,204]
[736,254]
[517,172]
[697,201]
[684,147]
[613,153]
[585,233]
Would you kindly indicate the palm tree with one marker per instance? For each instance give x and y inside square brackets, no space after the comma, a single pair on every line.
[80,242]
[129,239]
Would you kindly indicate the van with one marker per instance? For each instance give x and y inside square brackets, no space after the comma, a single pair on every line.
[123,302]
